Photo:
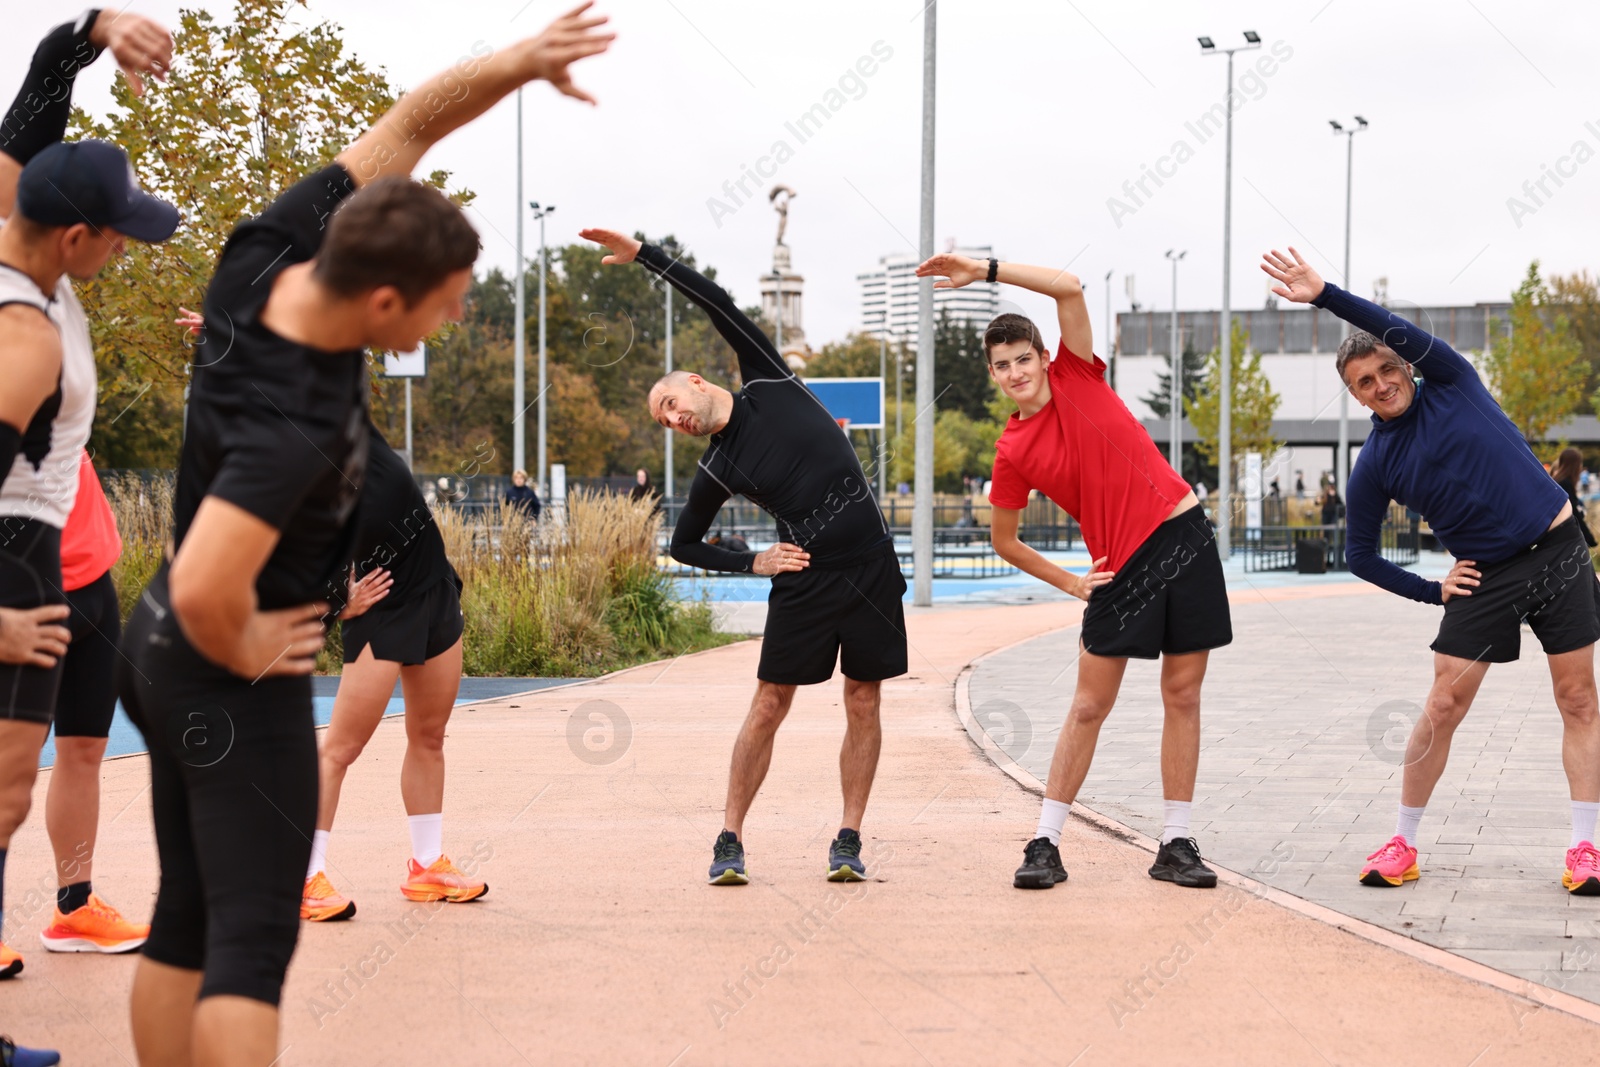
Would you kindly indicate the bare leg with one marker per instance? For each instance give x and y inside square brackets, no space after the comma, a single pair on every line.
[1180,732]
[235,1032]
[1572,675]
[1455,683]
[364,691]
[20,743]
[752,752]
[163,1014]
[72,806]
[430,697]
[1099,678]
[858,758]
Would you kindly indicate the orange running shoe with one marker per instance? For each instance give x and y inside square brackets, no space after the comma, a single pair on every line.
[1582,876]
[95,927]
[321,903]
[1394,863]
[10,962]
[440,880]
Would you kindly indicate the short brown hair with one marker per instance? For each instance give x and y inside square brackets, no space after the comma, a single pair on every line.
[1010,327]
[1358,344]
[395,232]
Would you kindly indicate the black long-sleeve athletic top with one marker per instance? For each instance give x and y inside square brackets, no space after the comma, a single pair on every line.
[780,449]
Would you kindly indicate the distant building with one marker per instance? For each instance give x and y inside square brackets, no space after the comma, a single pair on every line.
[890,293]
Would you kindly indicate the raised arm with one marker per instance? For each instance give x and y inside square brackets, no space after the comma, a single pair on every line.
[38,117]
[449,100]
[1065,289]
[1298,281]
[758,358]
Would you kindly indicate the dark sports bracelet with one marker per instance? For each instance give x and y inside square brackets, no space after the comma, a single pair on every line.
[994,268]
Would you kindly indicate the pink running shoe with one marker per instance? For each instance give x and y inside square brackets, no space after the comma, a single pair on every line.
[1394,863]
[1582,876]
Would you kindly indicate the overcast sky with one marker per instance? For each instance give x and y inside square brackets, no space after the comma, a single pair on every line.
[1045,110]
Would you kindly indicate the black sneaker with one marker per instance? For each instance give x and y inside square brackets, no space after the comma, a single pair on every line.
[727,860]
[844,858]
[1041,866]
[1178,861]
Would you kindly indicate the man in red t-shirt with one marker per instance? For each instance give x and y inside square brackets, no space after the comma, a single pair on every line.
[1155,588]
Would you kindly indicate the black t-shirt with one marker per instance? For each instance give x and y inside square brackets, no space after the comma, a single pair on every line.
[274,427]
[781,450]
[395,530]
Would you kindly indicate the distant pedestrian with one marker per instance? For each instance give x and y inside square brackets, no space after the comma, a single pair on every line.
[1566,469]
[521,496]
[1201,491]
[1332,506]
[1300,484]
[643,488]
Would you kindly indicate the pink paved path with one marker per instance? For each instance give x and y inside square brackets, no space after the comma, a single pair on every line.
[600,943]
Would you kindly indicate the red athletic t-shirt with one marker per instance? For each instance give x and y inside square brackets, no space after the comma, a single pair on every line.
[90,543]
[1087,452]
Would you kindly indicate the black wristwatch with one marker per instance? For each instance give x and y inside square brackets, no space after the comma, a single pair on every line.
[994,268]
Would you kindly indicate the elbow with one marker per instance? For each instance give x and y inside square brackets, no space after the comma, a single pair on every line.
[1068,287]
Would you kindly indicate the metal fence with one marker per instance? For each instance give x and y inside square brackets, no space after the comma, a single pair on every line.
[1287,548]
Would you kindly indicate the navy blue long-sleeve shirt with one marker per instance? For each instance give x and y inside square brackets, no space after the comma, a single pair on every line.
[1454,457]
[780,449]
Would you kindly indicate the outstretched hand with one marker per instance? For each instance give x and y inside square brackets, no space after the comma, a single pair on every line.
[564,42]
[139,45]
[623,248]
[1300,283]
[192,319]
[953,271]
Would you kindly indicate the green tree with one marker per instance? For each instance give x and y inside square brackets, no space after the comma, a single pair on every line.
[1538,372]
[960,370]
[1254,402]
[252,106]
[1194,369]
[1578,297]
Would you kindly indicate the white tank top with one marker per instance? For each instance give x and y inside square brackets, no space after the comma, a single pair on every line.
[43,480]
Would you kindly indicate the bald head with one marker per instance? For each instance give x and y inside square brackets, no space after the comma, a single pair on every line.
[686,402]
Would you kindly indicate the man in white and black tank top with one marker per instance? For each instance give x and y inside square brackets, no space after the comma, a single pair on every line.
[67,209]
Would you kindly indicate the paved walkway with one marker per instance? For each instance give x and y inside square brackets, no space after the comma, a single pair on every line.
[1305,721]
[591,809]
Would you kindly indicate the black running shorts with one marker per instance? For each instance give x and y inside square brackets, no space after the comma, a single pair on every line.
[233,792]
[30,577]
[411,631]
[1168,599]
[88,696]
[851,615]
[1550,585]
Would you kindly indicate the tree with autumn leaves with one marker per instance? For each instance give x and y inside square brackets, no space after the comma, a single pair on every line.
[1535,364]
[1254,402]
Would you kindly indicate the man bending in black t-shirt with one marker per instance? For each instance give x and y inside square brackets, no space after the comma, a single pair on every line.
[836,583]
[217,654]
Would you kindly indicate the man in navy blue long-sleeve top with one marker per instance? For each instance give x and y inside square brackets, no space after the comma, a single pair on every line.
[836,583]
[1441,446]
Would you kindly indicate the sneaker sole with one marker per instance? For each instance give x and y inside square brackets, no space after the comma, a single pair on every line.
[1589,887]
[328,916]
[1167,874]
[14,969]
[84,944]
[1045,881]
[449,896]
[846,874]
[1380,880]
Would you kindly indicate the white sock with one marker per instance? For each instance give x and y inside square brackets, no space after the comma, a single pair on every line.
[1410,819]
[1175,820]
[319,853]
[1583,819]
[427,837]
[1052,817]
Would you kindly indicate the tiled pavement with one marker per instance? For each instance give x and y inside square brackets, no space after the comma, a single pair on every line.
[1305,716]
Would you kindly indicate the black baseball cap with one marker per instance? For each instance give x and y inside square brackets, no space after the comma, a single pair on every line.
[91,181]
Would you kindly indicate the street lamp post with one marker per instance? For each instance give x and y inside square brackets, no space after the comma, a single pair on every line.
[539,213]
[777,298]
[883,374]
[1341,463]
[922,508]
[519,344]
[1225,422]
[668,287]
[1176,394]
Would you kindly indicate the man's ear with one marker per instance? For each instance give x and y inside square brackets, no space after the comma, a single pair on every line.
[385,302]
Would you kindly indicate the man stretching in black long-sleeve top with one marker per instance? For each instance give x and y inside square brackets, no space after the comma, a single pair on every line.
[836,583]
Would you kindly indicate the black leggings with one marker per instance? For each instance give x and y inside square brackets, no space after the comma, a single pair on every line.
[87,699]
[233,785]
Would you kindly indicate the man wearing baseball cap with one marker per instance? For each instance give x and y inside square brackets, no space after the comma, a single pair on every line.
[68,208]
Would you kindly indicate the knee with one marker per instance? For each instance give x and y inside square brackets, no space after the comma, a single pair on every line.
[861,699]
[340,752]
[80,753]
[16,799]
[1445,709]
[1181,701]
[427,737]
[1578,703]
[1088,712]
[770,706]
